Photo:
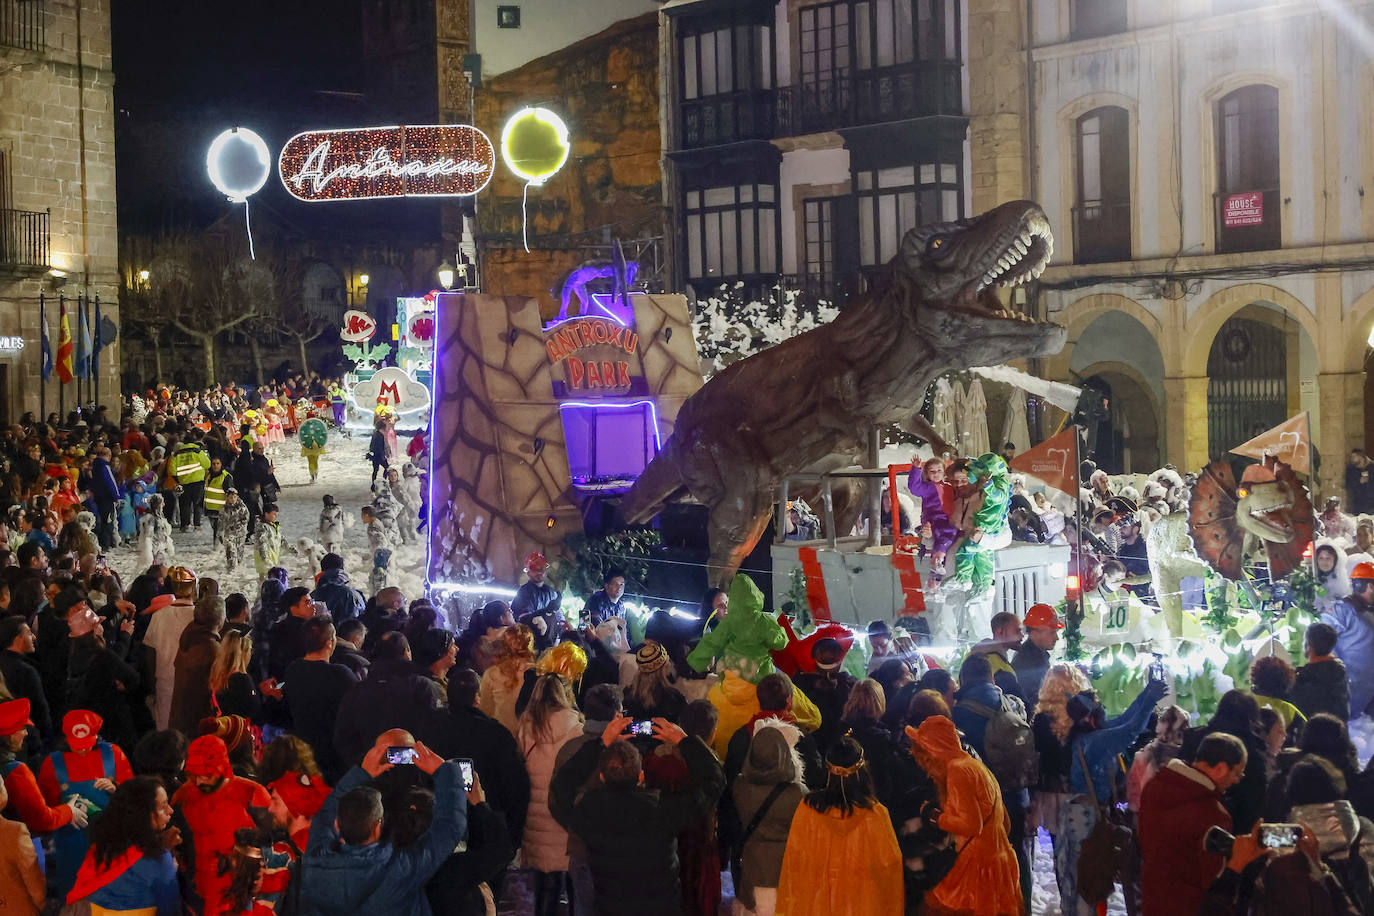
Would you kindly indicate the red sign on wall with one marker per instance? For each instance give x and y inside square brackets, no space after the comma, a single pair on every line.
[1243,209]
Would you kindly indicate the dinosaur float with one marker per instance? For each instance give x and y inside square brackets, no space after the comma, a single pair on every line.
[1229,522]
[807,405]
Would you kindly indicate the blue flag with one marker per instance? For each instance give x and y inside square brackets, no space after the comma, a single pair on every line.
[95,349]
[83,343]
[46,365]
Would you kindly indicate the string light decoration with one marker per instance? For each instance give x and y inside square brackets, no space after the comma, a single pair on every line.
[534,145]
[438,160]
[238,163]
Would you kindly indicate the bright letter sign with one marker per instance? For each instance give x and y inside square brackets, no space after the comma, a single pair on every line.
[429,161]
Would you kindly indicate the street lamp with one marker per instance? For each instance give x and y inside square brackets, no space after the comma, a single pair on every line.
[446,275]
[143,276]
[362,279]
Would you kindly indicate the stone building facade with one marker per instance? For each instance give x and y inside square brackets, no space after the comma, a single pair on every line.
[1204,168]
[605,87]
[57,190]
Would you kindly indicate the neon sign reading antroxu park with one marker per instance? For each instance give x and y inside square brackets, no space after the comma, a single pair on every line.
[441,160]
[591,353]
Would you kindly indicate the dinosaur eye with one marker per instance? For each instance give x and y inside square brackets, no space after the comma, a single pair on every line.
[937,246]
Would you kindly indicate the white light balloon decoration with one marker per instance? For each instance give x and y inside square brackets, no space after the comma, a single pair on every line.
[238,163]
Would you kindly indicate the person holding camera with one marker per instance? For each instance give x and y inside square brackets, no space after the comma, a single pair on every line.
[348,869]
[631,832]
[1275,868]
[1177,809]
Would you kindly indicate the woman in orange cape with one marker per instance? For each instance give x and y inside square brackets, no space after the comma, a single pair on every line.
[985,880]
[842,857]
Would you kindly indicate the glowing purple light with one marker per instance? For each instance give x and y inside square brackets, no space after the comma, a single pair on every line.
[623,405]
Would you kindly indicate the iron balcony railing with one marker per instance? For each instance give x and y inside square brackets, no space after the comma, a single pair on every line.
[23,24]
[854,99]
[1101,232]
[25,239]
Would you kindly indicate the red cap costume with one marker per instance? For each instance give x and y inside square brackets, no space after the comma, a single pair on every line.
[82,728]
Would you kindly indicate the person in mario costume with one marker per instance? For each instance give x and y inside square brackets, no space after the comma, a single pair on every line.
[216,804]
[91,769]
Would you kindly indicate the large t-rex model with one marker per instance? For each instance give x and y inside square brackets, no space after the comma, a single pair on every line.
[807,405]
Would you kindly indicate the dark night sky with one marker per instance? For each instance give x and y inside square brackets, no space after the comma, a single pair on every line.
[187,69]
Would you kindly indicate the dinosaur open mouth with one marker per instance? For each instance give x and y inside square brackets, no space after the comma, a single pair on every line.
[1025,257]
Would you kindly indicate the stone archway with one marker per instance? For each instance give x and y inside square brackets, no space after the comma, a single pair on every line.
[1134,416]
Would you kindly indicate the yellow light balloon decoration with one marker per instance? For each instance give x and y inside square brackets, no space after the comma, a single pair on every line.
[534,145]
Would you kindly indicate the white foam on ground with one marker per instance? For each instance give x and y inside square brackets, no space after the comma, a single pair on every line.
[346,475]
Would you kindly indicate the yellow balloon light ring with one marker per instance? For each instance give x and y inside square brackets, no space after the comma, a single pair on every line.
[534,145]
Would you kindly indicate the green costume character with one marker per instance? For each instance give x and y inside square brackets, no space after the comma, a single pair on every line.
[744,638]
[974,562]
[312,435]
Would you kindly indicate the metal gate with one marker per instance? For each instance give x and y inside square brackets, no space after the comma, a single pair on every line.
[1247,389]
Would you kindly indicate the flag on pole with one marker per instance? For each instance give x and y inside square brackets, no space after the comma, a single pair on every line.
[83,342]
[1053,462]
[1289,442]
[64,344]
[46,365]
[97,343]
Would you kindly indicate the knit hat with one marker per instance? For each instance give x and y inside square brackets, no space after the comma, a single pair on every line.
[14,715]
[232,730]
[82,728]
[207,756]
[651,656]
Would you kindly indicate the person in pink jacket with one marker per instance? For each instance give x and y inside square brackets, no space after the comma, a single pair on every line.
[549,721]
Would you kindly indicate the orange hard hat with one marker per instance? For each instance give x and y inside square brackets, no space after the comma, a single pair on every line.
[1042,615]
[1362,571]
[536,561]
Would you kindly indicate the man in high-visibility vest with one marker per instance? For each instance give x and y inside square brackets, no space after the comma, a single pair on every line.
[215,482]
[190,464]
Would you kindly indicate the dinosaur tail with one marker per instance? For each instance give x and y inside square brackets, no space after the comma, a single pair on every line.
[656,486]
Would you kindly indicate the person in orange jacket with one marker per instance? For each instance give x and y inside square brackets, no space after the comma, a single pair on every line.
[91,769]
[26,800]
[216,804]
[985,878]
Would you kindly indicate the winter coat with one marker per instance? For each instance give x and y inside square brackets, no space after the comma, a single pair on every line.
[339,879]
[394,695]
[466,732]
[1322,686]
[497,694]
[22,885]
[1245,800]
[631,833]
[772,760]
[101,680]
[1355,647]
[191,700]
[745,638]
[985,878]
[163,637]
[1031,663]
[1101,747]
[344,601]
[1177,808]
[104,489]
[545,845]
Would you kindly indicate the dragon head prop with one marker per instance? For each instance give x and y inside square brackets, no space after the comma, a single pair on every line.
[1269,505]
[957,266]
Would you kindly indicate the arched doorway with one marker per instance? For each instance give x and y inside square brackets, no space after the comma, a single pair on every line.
[1247,372]
[1128,437]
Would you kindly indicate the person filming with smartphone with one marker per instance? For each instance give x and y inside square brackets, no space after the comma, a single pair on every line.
[631,832]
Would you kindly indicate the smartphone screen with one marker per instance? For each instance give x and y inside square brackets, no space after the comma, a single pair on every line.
[465,765]
[642,727]
[400,754]
[1279,836]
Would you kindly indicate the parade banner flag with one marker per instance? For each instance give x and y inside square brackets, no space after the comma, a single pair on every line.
[64,345]
[98,343]
[45,366]
[1054,462]
[1289,442]
[83,342]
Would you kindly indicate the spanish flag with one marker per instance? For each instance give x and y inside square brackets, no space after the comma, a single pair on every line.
[65,371]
